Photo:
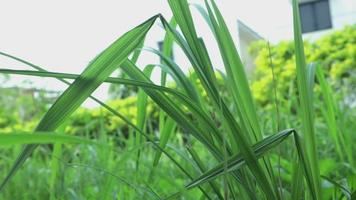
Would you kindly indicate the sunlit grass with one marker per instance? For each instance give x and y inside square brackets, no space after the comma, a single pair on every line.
[207,146]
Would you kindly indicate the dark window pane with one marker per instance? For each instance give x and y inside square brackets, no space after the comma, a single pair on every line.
[307,17]
[322,14]
[315,15]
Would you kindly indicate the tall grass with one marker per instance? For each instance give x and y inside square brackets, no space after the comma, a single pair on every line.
[239,149]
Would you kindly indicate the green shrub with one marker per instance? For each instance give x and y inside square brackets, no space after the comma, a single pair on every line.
[336,52]
[91,121]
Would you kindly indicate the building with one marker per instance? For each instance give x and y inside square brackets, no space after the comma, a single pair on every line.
[318,17]
[321,16]
[246,36]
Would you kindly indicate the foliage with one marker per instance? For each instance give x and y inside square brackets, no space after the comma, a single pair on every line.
[336,53]
[90,121]
[210,139]
[20,108]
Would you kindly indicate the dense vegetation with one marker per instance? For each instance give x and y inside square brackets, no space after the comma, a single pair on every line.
[336,52]
[206,135]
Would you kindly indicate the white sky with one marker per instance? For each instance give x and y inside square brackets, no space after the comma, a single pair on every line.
[65,35]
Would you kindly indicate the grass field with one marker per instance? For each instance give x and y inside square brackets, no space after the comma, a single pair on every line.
[210,139]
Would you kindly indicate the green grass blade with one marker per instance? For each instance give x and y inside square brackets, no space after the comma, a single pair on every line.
[345,191]
[238,161]
[167,50]
[305,101]
[200,114]
[60,77]
[55,170]
[178,75]
[260,149]
[168,106]
[55,180]
[331,116]
[137,52]
[202,169]
[142,101]
[236,74]
[166,133]
[197,56]
[142,111]
[97,71]
[16,138]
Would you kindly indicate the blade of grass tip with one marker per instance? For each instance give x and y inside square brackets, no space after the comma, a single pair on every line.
[60,77]
[142,112]
[306,104]
[97,71]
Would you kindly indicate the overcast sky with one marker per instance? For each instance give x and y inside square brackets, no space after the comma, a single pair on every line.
[65,35]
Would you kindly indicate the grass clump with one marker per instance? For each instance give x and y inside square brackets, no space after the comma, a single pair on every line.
[204,144]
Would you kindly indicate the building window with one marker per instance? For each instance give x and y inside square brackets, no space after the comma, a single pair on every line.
[315,15]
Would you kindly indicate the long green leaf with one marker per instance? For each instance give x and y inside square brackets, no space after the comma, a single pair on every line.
[16,138]
[330,114]
[60,77]
[97,71]
[237,161]
[306,104]
[194,50]
[142,111]
[260,148]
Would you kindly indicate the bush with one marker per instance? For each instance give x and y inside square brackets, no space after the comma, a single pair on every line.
[336,52]
[91,121]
